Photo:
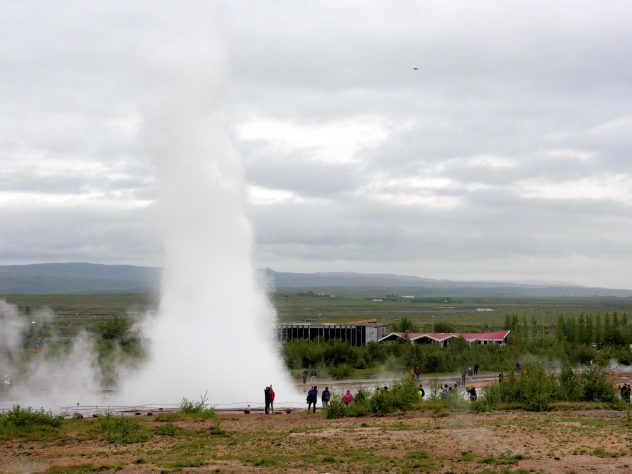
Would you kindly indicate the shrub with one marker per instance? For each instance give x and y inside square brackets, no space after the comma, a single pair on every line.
[595,386]
[400,397]
[339,372]
[199,409]
[19,417]
[336,408]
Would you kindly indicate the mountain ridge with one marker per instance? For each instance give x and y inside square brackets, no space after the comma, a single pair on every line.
[81,277]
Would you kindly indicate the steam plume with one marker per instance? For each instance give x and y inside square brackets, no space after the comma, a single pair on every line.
[214,330]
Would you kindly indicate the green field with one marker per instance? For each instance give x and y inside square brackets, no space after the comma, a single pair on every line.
[80,311]
[461,312]
[74,312]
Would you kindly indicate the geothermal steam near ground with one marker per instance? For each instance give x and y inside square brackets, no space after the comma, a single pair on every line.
[215,328]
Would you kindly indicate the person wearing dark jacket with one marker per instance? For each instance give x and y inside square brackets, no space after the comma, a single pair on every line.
[312,398]
[266,394]
[325,397]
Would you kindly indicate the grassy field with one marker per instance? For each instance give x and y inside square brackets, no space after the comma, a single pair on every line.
[424,312]
[75,311]
[82,311]
[427,439]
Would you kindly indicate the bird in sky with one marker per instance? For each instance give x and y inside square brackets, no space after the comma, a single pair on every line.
[416,68]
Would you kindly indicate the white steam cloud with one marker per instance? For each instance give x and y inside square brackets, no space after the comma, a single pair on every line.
[215,327]
[36,373]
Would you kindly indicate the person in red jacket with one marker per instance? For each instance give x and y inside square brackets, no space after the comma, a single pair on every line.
[347,398]
[272,399]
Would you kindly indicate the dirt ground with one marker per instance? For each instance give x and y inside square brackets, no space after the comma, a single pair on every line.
[420,441]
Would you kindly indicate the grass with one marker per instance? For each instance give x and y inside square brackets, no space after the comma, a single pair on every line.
[122,430]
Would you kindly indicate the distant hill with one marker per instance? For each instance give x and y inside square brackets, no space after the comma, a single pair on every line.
[77,278]
[96,278]
[379,284]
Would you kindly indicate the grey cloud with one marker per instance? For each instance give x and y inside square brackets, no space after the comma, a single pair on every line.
[507,80]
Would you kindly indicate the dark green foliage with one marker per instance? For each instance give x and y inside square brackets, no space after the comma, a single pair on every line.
[441,326]
[28,422]
[404,325]
[115,329]
[534,389]
[340,372]
[27,417]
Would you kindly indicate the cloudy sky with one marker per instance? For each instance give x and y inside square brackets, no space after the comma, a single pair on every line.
[504,155]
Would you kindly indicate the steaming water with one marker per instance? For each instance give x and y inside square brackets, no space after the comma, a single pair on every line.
[215,328]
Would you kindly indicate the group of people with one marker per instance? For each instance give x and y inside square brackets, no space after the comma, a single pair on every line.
[313,374]
[414,373]
[625,392]
[312,398]
[269,395]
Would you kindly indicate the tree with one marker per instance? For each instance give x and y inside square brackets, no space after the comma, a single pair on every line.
[598,333]
[442,326]
[404,325]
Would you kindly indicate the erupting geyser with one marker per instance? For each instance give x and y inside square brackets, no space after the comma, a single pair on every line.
[215,327]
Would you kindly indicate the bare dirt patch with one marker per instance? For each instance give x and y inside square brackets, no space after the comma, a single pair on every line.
[419,441]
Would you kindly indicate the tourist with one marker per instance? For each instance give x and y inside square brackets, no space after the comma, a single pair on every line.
[314,374]
[325,397]
[421,392]
[445,392]
[266,395]
[500,377]
[312,398]
[472,391]
[304,376]
[475,368]
[417,373]
[347,398]
[470,371]
[463,376]
[518,367]
[272,395]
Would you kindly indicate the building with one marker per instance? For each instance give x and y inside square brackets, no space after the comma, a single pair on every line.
[356,333]
[443,338]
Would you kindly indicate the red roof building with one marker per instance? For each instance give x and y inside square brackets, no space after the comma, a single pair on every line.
[443,338]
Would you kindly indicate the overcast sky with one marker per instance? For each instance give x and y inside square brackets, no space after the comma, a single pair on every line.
[504,155]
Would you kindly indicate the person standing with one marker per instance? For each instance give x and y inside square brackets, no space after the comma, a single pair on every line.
[347,398]
[272,395]
[314,374]
[421,392]
[304,376]
[475,368]
[312,398]
[266,395]
[325,397]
